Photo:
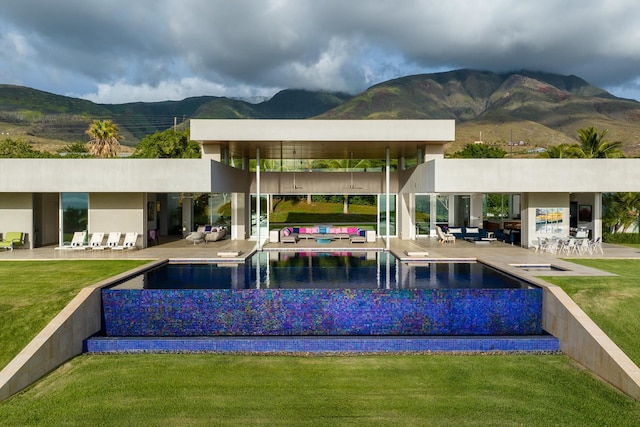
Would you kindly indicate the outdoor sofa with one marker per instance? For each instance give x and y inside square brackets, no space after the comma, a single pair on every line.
[507,235]
[294,234]
[475,233]
[206,233]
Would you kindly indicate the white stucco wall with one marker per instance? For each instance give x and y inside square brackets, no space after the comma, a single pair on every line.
[16,214]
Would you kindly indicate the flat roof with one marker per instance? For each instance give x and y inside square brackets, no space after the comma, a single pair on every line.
[323,139]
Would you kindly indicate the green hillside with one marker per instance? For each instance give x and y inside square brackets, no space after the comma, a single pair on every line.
[539,109]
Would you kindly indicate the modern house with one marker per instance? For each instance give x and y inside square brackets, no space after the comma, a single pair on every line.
[401,162]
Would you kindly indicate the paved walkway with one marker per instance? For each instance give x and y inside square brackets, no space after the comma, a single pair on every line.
[511,258]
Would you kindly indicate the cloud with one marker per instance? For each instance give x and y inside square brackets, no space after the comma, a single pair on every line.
[168,49]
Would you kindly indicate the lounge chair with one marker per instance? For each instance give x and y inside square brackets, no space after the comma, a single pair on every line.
[113,240]
[77,241]
[445,237]
[129,243]
[12,239]
[96,240]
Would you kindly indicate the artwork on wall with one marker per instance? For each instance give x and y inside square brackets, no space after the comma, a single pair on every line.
[548,220]
[151,211]
[584,213]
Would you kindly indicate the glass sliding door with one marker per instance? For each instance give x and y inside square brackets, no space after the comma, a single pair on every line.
[423,214]
[382,215]
[264,219]
[74,208]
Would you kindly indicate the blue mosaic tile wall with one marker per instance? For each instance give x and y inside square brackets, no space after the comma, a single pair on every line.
[198,312]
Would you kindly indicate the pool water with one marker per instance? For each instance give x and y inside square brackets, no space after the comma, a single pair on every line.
[316,294]
[318,270]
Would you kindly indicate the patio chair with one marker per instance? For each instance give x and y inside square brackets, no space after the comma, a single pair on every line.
[96,240]
[445,237]
[12,239]
[596,245]
[112,240]
[570,247]
[77,241]
[583,246]
[128,244]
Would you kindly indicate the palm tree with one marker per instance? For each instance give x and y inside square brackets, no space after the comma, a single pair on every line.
[621,210]
[104,138]
[562,151]
[593,145]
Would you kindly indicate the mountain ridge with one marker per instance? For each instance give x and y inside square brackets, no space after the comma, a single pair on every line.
[537,108]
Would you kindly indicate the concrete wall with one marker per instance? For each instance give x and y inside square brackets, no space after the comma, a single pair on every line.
[16,214]
[581,339]
[61,339]
[532,201]
[124,212]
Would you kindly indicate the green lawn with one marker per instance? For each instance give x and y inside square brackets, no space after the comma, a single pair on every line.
[234,390]
[612,302]
[289,212]
[398,390]
[33,293]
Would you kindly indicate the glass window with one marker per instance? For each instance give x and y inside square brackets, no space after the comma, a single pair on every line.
[75,214]
[382,209]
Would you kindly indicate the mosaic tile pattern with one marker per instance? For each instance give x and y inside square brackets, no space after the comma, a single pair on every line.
[544,343]
[291,312]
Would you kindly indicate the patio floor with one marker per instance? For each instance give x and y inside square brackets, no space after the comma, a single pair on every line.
[502,255]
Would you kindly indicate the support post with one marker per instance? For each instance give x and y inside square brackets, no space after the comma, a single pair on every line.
[388,179]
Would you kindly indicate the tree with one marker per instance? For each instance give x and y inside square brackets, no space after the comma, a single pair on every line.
[168,144]
[562,151]
[104,138]
[77,150]
[480,151]
[19,149]
[621,210]
[593,145]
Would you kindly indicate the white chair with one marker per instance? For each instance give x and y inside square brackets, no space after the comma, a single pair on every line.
[96,240]
[596,245]
[113,240]
[77,241]
[128,244]
[445,237]
[570,247]
[583,246]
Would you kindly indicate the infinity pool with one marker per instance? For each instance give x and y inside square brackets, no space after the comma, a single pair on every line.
[318,270]
[322,295]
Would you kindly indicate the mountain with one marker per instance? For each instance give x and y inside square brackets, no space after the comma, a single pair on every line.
[539,109]
[51,121]
[533,109]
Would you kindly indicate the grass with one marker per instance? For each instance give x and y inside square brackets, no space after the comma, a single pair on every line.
[290,212]
[612,302]
[226,390]
[205,389]
[33,293]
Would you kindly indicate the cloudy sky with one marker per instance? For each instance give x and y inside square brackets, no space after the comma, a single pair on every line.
[116,51]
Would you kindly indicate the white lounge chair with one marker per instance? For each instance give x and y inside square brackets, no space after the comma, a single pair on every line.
[112,241]
[445,237]
[77,241]
[95,241]
[128,244]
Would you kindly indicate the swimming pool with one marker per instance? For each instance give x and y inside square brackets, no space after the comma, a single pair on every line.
[400,300]
[325,270]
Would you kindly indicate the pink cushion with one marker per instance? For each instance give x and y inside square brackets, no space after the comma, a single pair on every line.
[286,231]
[334,230]
[352,230]
[312,230]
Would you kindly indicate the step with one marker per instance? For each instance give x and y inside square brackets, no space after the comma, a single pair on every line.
[314,344]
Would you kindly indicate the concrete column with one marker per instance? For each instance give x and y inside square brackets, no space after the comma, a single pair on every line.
[238,216]
[406,219]
[258,195]
[597,216]
[475,204]
[433,207]
[388,181]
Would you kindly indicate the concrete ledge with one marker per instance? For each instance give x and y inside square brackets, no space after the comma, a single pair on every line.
[229,254]
[416,254]
[582,340]
[61,339]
